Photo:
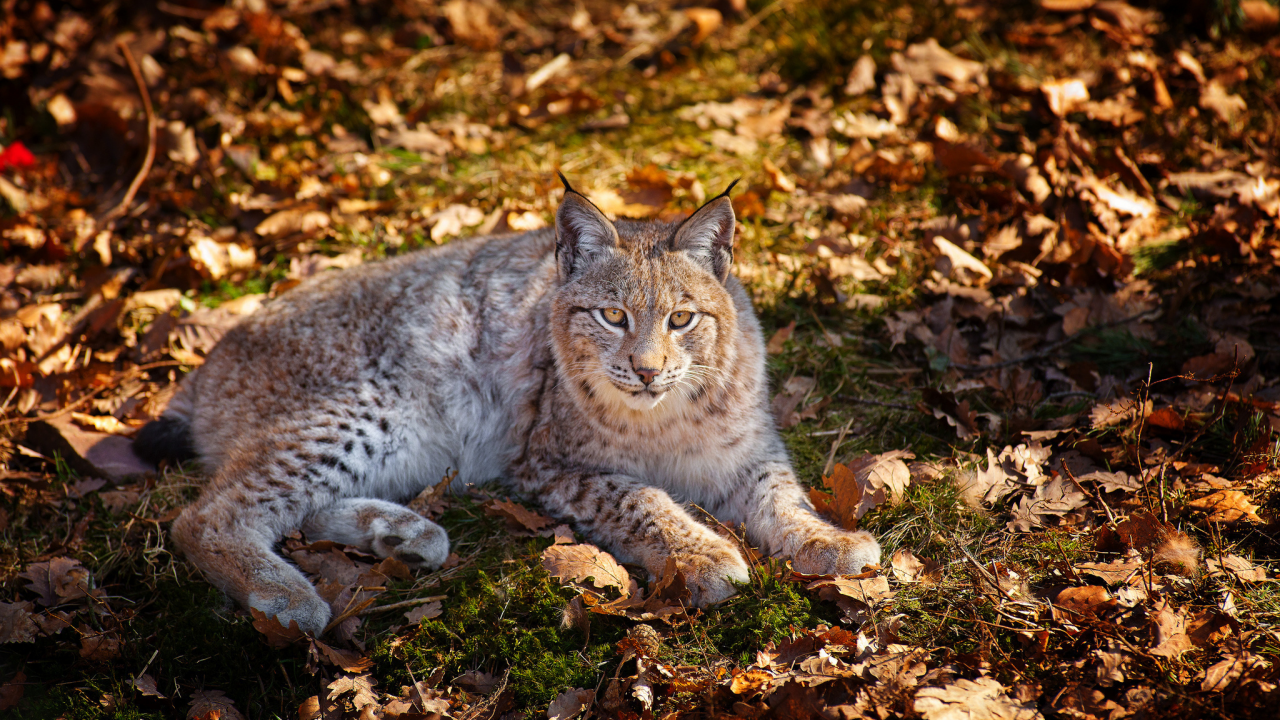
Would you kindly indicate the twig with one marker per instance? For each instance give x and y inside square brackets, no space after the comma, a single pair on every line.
[1048,349]
[878,403]
[402,604]
[150,157]
[831,458]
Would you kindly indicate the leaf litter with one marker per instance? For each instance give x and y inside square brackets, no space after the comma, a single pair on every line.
[1081,207]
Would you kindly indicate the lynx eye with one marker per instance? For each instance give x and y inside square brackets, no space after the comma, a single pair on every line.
[614,316]
[680,318]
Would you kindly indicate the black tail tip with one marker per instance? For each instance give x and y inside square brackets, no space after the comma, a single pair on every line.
[164,439]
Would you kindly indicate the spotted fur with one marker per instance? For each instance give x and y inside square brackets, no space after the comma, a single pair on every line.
[490,355]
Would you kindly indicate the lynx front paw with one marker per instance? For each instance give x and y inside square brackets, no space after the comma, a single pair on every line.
[305,607]
[837,553]
[417,543]
[710,575]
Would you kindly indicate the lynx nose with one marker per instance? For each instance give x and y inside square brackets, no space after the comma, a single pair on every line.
[647,374]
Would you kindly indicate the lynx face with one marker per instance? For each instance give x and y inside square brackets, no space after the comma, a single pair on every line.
[642,317]
[642,329]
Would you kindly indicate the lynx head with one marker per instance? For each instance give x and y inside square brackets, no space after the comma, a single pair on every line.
[643,316]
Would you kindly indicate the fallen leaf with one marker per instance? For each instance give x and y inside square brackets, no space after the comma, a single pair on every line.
[1227,107]
[426,611]
[1169,631]
[571,703]
[58,580]
[470,23]
[12,691]
[1116,572]
[580,563]
[1227,506]
[1236,566]
[910,568]
[210,704]
[853,496]
[88,452]
[278,636]
[359,687]
[778,340]
[16,623]
[451,220]
[981,699]
[518,517]
[147,686]
[885,471]
[1064,96]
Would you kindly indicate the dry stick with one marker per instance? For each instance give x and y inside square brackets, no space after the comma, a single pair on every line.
[878,403]
[831,458]
[402,604]
[150,157]
[1048,349]
[1097,495]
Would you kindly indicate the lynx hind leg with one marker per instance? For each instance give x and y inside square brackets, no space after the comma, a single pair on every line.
[234,551]
[384,528]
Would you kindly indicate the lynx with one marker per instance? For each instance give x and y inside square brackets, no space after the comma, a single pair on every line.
[613,372]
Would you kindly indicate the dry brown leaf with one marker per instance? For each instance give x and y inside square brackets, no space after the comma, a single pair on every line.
[571,703]
[862,78]
[853,496]
[1237,566]
[425,611]
[100,647]
[886,471]
[518,517]
[1057,497]
[278,636]
[981,699]
[1169,631]
[12,691]
[359,687]
[1227,107]
[1064,96]
[470,23]
[88,452]
[146,685]
[749,682]
[910,568]
[451,220]
[294,220]
[205,703]
[58,580]
[1116,572]
[582,563]
[1077,602]
[1227,506]
[778,340]
[17,623]
[928,63]
[707,20]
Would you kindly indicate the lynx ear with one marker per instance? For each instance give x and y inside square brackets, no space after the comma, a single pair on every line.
[707,235]
[581,231]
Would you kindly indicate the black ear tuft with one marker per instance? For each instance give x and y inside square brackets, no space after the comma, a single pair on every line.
[726,190]
[569,188]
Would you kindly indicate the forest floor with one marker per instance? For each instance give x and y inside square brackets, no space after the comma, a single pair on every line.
[1016,263]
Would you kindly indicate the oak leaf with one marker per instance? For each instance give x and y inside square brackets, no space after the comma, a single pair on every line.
[570,704]
[981,699]
[212,704]
[581,563]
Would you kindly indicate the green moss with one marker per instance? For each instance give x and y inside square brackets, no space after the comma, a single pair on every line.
[762,612]
[507,616]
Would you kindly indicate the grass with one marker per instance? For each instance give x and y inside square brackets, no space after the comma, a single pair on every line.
[503,611]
